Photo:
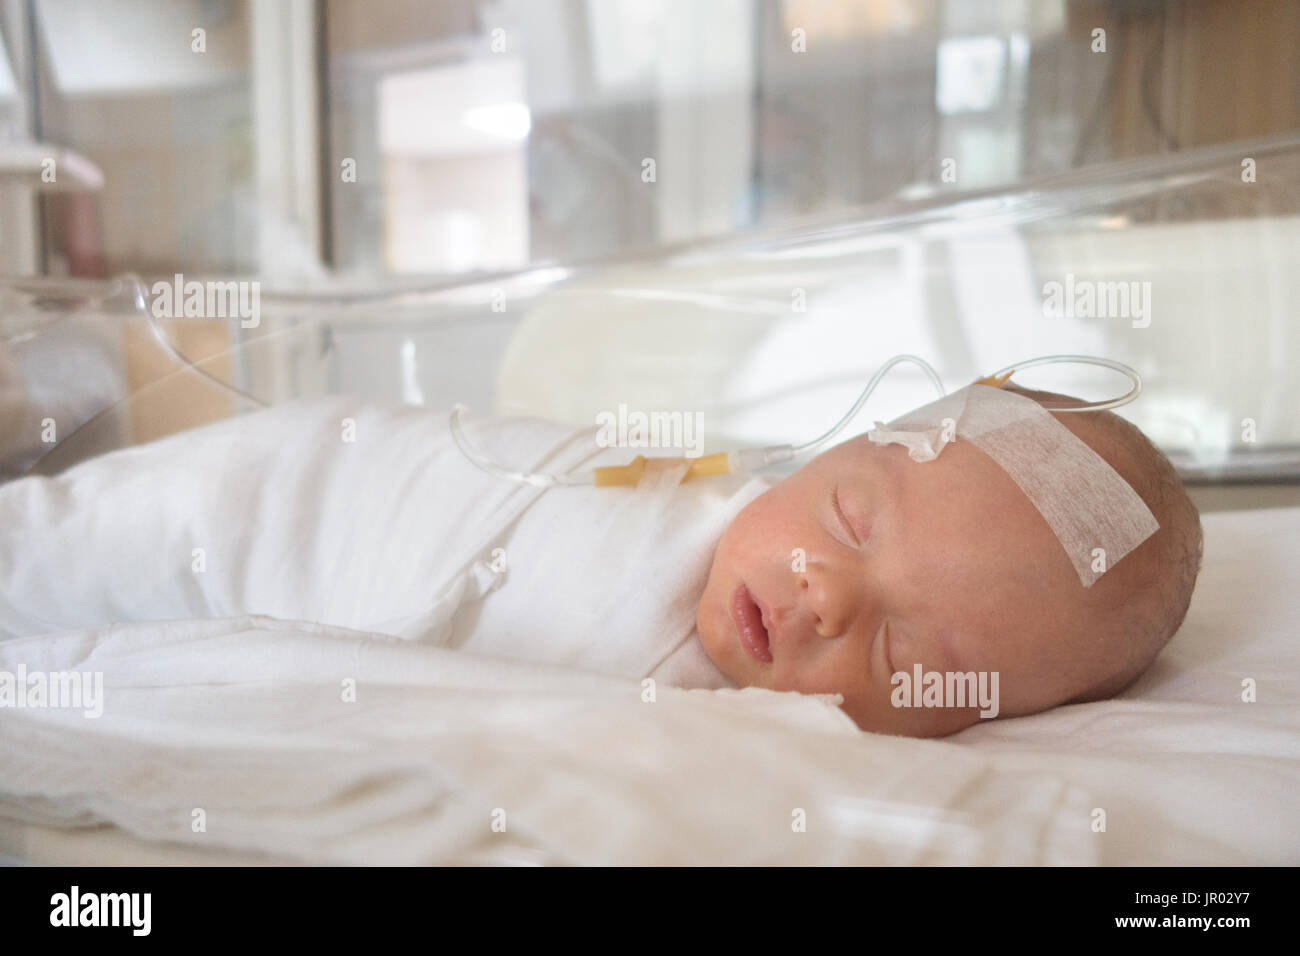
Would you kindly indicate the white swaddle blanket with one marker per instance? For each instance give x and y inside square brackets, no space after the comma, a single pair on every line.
[365,516]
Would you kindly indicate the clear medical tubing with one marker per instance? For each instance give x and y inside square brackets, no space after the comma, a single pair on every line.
[738,462]
[1005,374]
[481,461]
[866,394]
[751,459]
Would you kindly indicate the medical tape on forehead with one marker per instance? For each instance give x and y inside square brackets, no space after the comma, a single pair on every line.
[1095,514]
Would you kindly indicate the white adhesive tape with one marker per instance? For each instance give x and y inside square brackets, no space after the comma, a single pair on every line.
[1095,514]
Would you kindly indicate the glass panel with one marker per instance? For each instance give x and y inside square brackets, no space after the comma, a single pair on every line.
[1175,266]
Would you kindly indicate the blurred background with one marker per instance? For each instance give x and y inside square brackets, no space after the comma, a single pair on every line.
[342,145]
[472,156]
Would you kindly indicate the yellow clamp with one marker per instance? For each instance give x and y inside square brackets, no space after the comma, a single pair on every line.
[995,381]
[634,471]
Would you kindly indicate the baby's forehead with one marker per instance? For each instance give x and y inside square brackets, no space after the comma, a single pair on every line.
[960,464]
[962,500]
[971,520]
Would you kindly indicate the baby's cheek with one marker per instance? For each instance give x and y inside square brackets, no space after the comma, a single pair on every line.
[878,715]
[832,673]
[870,703]
[708,622]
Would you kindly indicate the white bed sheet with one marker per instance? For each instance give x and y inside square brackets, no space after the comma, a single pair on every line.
[242,718]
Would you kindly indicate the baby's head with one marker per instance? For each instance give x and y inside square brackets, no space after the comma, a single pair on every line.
[865,563]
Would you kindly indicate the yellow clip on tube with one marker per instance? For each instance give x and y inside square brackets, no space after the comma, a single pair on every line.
[632,473]
[751,459]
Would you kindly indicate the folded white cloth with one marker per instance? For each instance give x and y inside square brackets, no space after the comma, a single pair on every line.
[367,516]
[326,745]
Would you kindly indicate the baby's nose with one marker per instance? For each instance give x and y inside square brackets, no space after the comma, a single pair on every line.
[828,601]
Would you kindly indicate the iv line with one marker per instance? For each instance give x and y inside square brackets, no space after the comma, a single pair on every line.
[751,459]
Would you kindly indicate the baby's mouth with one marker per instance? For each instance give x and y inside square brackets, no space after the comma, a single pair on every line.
[748,618]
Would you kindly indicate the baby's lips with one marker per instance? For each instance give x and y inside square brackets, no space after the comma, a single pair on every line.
[751,629]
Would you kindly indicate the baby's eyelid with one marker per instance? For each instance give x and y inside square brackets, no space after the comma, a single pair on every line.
[886,632]
[842,517]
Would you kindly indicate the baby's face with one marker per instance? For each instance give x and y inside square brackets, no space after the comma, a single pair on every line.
[864,563]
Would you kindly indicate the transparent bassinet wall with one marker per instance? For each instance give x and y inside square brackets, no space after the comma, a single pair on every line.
[1184,267]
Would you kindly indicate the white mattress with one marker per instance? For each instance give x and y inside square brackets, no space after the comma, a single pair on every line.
[585,772]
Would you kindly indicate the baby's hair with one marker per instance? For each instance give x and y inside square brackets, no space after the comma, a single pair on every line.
[1157,599]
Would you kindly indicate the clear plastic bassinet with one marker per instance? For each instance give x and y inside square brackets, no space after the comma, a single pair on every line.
[1181,266]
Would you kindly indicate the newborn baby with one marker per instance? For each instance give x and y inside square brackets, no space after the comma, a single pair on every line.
[946,564]
[368,517]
